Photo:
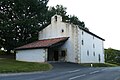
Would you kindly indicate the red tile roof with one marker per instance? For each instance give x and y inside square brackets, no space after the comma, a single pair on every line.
[42,43]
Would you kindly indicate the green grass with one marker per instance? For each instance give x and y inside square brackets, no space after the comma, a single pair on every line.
[117,64]
[99,65]
[13,66]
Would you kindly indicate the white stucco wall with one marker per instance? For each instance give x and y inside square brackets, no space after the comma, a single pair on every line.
[89,41]
[72,43]
[76,52]
[54,30]
[32,55]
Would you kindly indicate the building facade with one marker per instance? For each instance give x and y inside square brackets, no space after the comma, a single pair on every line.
[65,42]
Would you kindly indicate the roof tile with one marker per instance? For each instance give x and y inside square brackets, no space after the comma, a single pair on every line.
[42,43]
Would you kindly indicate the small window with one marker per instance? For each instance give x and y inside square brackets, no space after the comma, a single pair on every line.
[82,42]
[93,45]
[93,37]
[55,18]
[87,52]
[63,53]
[93,53]
[99,58]
[62,30]
[82,32]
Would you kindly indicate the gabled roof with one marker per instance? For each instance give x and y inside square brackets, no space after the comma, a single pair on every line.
[82,28]
[44,43]
[91,33]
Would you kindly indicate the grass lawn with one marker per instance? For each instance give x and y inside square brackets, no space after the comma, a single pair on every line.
[99,65]
[13,66]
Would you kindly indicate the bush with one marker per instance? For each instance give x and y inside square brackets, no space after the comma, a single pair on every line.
[2,52]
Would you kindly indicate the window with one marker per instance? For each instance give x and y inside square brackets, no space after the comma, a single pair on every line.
[63,53]
[93,45]
[62,30]
[99,58]
[87,52]
[82,32]
[93,53]
[55,18]
[93,37]
[82,42]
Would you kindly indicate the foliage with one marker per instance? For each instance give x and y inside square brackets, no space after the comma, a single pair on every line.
[12,66]
[20,21]
[2,52]
[112,55]
[60,10]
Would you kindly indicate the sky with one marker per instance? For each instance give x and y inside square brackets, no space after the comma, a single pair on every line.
[102,17]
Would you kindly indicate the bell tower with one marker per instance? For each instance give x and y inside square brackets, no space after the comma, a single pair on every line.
[56,18]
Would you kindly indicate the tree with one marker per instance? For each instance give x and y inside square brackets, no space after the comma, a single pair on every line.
[20,21]
[60,10]
[112,55]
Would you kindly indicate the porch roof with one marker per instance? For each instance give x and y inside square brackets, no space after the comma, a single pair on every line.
[46,43]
